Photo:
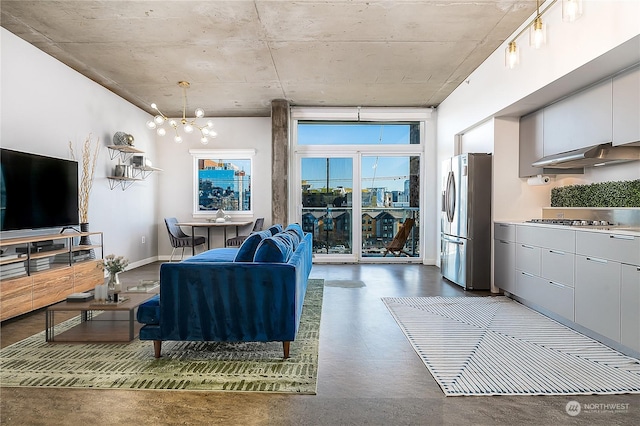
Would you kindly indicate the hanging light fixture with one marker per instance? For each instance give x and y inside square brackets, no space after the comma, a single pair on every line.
[187,124]
[571,10]
[537,30]
[511,55]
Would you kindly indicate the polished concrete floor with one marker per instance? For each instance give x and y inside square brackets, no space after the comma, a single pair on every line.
[368,375]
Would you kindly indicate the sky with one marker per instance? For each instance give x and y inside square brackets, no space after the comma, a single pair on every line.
[377,171]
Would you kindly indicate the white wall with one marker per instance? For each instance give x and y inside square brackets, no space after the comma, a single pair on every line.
[492,87]
[176,181]
[478,139]
[46,104]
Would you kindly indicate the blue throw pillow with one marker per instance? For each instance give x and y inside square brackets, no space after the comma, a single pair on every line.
[275,229]
[274,250]
[289,239]
[295,227]
[295,239]
[248,248]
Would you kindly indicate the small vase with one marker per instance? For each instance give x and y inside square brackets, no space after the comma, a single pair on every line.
[114,282]
[85,240]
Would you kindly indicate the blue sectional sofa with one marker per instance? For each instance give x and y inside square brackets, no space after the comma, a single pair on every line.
[251,293]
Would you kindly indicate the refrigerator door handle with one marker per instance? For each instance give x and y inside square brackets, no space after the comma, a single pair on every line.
[453,241]
[450,197]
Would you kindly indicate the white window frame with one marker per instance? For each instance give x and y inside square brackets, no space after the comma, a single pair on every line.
[220,154]
[355,114]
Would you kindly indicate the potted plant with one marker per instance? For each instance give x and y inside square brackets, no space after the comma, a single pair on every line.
[114,265]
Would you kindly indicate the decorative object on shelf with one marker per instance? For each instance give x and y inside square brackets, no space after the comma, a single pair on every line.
[126,174]
[188,124]
[89,160]
[603,194]
[114,265]
[100,293]
[221,216]
[85,240]
[122,138]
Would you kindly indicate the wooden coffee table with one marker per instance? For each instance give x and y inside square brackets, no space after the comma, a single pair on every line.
[105,323]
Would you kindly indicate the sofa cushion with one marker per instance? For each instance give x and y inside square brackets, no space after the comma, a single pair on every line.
[275,229]
[295,227]
[214,255]
[274,249]
[149,311]
[248,248]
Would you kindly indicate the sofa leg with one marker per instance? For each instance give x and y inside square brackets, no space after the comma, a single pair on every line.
[157,347]
[285,348]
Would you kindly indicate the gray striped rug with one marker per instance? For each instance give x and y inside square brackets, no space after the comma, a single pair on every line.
[200,366]
[496,346]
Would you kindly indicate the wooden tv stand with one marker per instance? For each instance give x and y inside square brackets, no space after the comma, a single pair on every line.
[35,277]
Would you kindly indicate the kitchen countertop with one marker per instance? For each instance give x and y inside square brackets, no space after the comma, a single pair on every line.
[615,229]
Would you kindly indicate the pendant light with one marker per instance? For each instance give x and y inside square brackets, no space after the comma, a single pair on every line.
[186,124]
[512,55]
[571,10]
[537,30]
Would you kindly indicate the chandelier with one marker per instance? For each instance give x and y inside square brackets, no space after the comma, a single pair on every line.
[187,124]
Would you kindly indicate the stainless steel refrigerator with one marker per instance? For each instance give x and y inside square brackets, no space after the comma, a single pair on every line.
[465,243]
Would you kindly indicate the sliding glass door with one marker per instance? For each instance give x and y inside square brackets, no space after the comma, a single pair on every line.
[356,185]
[327,203]
[390,200]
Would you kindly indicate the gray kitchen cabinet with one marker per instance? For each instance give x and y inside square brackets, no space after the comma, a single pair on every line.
[611,246]
[626,107]
[528,258]
[552,296]
[531,146]
[597,295]
[630,307]
[545,260]
[504,257]
[558,266]
[579,121]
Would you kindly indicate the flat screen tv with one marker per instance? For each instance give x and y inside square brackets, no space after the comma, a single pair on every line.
[37,191]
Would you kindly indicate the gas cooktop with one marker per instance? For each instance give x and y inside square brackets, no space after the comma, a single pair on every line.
[571,222]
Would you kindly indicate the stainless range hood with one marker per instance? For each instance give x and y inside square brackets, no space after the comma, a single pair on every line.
[592,156]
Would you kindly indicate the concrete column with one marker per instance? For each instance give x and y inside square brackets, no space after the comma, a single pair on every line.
[280,161]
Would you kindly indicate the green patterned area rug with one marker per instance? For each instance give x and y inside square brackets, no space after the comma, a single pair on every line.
[196,366]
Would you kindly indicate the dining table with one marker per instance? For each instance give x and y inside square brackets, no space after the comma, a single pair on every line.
[224,225]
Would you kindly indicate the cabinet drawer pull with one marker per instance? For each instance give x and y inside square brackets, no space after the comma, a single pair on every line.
[621,237]
[527,274]
[557,252]
[557,284]
[595,259]
[527,247]
[504,242]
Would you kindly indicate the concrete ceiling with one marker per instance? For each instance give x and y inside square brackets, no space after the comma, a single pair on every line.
[240,55]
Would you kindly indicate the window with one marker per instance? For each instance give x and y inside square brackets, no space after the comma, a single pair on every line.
[222,180]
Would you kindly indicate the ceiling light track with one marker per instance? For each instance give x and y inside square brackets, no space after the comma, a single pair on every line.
[571,10]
